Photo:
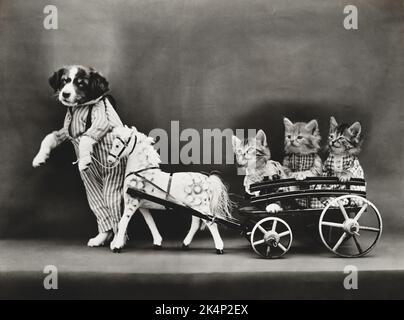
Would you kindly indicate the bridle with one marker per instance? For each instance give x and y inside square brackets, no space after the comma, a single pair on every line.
[125,144]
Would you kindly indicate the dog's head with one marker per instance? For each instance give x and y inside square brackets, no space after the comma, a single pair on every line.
[77,84]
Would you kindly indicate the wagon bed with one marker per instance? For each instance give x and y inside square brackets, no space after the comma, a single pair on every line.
[271,236]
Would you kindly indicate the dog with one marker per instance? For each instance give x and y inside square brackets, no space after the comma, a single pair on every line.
[88,123]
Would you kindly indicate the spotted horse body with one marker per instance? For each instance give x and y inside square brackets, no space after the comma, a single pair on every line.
[204,193]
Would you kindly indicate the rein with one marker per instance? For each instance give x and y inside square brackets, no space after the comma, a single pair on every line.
[125,144]
[115,156]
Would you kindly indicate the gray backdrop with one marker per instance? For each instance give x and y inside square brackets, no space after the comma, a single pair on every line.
[208,64]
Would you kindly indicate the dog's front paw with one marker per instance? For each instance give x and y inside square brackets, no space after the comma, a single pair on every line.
[84,163]
[273,208]
[40,159]
[99,240]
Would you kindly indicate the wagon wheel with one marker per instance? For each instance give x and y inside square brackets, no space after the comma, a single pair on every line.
[358,227]
[271,237]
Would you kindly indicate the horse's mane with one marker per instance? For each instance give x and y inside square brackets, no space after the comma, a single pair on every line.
[145,147]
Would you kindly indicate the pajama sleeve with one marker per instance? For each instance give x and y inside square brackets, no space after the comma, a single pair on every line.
[100,124]
[60,135]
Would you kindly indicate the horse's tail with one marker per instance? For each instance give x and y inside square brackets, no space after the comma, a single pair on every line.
[220,203]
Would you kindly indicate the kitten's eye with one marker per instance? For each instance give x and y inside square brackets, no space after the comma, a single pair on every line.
[300,137]
[289,136]
[251,150]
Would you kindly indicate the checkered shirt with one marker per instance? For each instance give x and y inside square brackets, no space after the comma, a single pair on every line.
[335,165]
[300,162]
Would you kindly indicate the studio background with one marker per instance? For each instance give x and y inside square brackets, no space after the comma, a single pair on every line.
[208,64]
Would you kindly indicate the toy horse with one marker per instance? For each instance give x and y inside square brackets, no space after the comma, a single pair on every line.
[206,194]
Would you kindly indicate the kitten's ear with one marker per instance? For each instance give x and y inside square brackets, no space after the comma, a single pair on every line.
[236,142]
[288,124]
[355,129]
[333,124]
[312,126]
[262,138]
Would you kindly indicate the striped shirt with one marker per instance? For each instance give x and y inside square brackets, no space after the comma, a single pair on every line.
[104,118]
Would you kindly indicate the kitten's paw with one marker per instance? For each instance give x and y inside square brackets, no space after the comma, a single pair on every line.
[300,176]
[40,159]
[345,177]
[99,240]
[273,208]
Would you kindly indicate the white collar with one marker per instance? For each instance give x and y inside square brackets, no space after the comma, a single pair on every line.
[94,101]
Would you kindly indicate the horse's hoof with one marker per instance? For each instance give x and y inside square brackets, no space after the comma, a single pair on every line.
[185,247]
[219,251]
[116,250]
[157,247]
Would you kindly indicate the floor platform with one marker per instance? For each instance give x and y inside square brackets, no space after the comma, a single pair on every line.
[139,272]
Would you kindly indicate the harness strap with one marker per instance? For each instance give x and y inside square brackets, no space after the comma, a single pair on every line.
[170,179]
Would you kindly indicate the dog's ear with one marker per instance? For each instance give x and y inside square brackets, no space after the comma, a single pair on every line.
[98,85]
[54,80]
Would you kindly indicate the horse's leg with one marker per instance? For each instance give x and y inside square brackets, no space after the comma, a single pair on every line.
[216,237]
[157,239]
[194,228]
[119,240]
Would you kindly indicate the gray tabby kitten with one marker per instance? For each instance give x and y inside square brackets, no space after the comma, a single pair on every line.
[254,156]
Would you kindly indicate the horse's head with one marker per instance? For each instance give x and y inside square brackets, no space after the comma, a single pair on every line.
[125,140]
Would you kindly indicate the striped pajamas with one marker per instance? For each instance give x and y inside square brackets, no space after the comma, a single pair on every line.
[103,186]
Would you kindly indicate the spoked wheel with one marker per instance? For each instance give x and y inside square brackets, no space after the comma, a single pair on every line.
[271,237]
[350,226]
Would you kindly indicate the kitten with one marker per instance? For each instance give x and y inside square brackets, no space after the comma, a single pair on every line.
[254,155]
[344,145]
[302,143]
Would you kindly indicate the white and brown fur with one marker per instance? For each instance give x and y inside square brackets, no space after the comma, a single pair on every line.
[76,84]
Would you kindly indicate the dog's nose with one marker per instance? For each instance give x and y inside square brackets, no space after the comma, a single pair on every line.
[276,177]
[66,95]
